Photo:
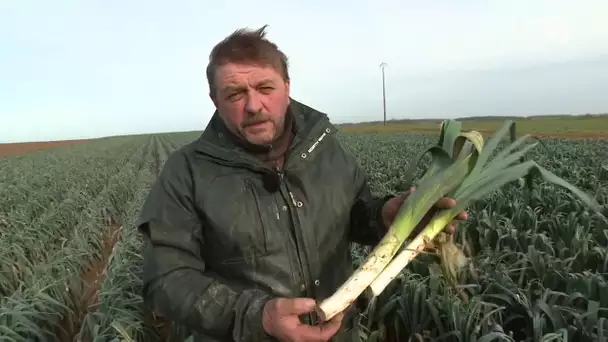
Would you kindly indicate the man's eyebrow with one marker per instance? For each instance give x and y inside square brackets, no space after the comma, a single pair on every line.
[232,87]
[265,81]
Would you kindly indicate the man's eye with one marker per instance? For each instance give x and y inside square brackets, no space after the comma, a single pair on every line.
[234,96]
[266,89]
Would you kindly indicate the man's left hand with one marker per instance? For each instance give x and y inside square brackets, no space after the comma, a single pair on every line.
[391,207]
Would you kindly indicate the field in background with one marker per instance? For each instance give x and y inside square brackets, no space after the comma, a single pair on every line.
[70,260]
[559,126]
[595,126]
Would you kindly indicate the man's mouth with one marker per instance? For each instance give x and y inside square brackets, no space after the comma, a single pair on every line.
[255,124]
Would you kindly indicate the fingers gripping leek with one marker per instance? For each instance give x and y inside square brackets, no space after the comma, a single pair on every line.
[460,170]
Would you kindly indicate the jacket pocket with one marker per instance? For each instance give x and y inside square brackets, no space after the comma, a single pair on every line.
[237,218]
[250,236]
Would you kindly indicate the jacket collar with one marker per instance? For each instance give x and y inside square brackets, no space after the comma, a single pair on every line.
[217,141]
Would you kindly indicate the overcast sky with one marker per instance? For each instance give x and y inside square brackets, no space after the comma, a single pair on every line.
[71,69]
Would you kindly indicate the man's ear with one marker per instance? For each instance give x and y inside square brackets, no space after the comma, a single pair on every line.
[287,92]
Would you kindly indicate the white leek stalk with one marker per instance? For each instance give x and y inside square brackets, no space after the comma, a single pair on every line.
[412,249]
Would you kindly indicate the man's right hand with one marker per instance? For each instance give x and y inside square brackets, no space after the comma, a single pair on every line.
[280,319]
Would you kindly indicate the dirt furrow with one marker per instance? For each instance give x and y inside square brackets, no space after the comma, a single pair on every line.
[86,299]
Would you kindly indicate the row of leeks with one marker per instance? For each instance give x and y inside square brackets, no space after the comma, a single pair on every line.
[460,169]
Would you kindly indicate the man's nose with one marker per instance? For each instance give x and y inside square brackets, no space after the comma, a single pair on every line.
[254,102]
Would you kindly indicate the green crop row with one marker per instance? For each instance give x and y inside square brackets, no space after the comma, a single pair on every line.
[538,260]
[50,266]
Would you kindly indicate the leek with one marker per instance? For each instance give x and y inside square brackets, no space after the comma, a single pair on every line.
[460,170]
[446,176]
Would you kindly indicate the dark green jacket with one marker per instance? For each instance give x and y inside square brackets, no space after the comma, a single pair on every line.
[225,233]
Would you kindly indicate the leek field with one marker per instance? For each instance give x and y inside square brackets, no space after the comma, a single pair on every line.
[70,261]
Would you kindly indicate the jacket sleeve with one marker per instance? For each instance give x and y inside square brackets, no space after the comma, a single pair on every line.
[176,283]
[366,223]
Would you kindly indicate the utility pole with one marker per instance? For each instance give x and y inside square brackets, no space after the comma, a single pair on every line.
[382,66]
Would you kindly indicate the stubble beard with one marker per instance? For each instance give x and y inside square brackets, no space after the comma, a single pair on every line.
[279,128]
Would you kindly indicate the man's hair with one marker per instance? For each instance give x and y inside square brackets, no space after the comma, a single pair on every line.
[247,47]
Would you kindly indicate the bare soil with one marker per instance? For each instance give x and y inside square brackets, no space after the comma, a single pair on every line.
[161,327]
[19,148]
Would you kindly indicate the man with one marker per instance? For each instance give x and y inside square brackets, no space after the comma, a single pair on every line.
[250,224]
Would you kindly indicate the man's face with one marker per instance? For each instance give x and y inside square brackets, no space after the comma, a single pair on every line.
[252,101]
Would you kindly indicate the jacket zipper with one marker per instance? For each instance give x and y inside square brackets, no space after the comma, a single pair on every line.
[291,212]
[299,243]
